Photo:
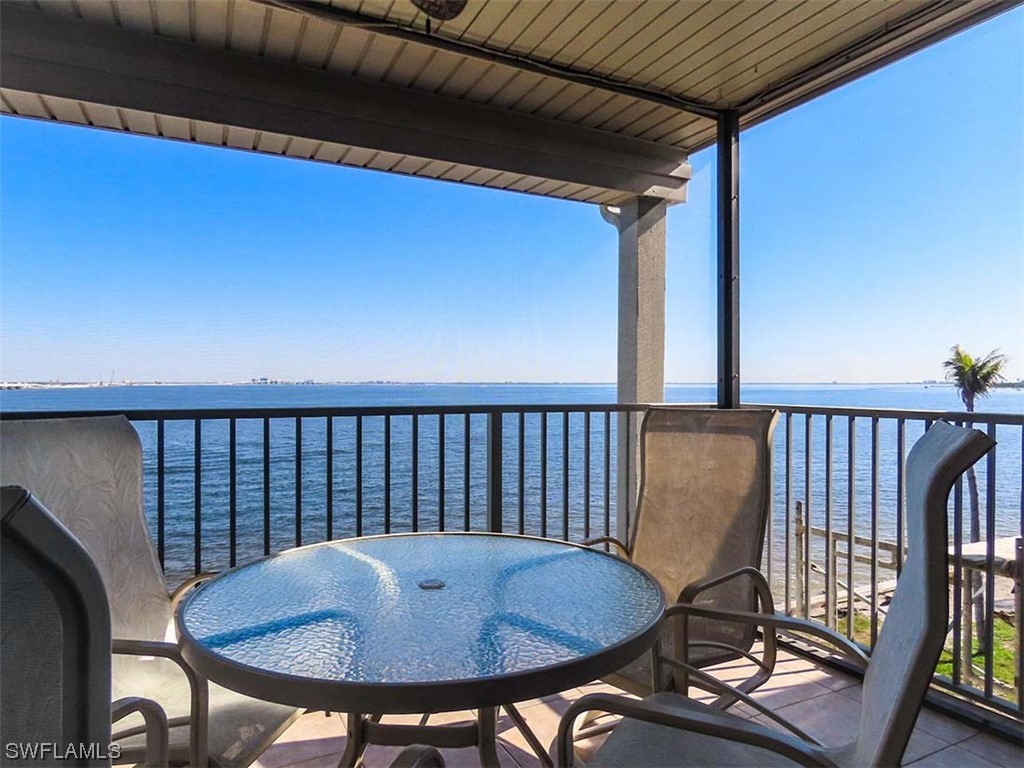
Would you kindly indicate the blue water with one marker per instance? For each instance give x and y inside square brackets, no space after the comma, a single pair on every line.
[938,397]
[541,513]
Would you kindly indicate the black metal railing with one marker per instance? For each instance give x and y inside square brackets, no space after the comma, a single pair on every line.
[223,486]
[226,486]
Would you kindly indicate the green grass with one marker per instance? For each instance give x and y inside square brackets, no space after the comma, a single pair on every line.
[1003,657]
[1003,660]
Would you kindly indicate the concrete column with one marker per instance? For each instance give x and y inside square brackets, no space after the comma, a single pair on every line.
[641,368]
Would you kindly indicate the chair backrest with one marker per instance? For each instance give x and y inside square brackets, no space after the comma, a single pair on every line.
[54,639]
[705,492]
[907,649]
[88,473]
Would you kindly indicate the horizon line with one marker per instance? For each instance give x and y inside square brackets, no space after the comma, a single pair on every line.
[394,382]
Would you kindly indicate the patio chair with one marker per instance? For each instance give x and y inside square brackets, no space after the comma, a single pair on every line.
[700,524]
[55,647]
[88,473]
[668,729]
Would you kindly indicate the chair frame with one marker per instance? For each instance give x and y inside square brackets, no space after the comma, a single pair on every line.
[60,559]
[199,689]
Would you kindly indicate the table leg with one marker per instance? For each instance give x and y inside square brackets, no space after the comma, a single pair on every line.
[355,743]
[487,721]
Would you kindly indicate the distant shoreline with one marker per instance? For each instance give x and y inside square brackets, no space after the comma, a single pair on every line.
[18,385]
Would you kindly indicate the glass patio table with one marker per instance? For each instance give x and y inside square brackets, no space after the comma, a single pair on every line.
[420,623]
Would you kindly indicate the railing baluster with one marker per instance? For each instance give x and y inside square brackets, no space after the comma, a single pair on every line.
[586,474]
[197,443]
[770,527]
[958,580]
[544,474]
[522,472]
[565,476]
[789,513]
[415,472]
[467,522]
[359,475]
[266,486]
[607,473]
[990,560]
[625,531]
[830,607]
[901,491]
[387,473]
[329,479]
[232,494]
[298,481]
[495,465]
[851,529]
[874,529]
[161,499]
[808,503]
[440,472]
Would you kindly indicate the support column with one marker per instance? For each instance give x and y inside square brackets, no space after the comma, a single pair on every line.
[641,351]
[729,259]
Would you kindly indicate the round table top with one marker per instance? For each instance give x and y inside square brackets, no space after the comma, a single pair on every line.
[420,622]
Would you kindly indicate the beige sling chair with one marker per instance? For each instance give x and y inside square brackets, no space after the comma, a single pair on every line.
[705,495]
[668,729]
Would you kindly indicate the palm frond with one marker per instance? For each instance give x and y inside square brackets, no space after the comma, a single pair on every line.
[974,377]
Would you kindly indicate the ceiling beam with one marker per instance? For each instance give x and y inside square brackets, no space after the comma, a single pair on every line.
[77,60]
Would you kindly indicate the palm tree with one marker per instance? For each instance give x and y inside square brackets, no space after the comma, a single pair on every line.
[974,378]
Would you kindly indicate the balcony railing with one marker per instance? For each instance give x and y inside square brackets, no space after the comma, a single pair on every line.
[225,486]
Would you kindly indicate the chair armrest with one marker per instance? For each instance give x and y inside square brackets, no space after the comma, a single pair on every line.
[622,548]
[419,756]
[769,653]
[198,689]
[761,586]
[157,736]
[183,588]
[820,631]
[709,723]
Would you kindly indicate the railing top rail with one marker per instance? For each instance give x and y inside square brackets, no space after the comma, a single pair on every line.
[895,413]
[188,414]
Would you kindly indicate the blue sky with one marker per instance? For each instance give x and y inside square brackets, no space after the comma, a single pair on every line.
[880,225]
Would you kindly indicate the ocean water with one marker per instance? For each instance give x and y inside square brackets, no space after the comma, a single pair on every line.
[546,506]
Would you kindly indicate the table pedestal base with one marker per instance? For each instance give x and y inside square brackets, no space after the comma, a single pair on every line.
[367,729]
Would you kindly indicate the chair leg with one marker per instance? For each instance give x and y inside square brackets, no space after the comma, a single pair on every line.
[199,728]
[529,735]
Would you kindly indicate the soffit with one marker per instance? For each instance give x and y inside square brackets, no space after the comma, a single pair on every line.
[610,66]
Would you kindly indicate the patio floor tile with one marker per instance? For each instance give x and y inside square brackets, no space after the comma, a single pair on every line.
[953,757]
[834,720]
[999,751]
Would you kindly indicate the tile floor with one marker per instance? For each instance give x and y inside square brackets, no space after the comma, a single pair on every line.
[821,701]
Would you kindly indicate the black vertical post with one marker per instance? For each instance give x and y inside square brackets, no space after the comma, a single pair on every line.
[494,469]
[728,259]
